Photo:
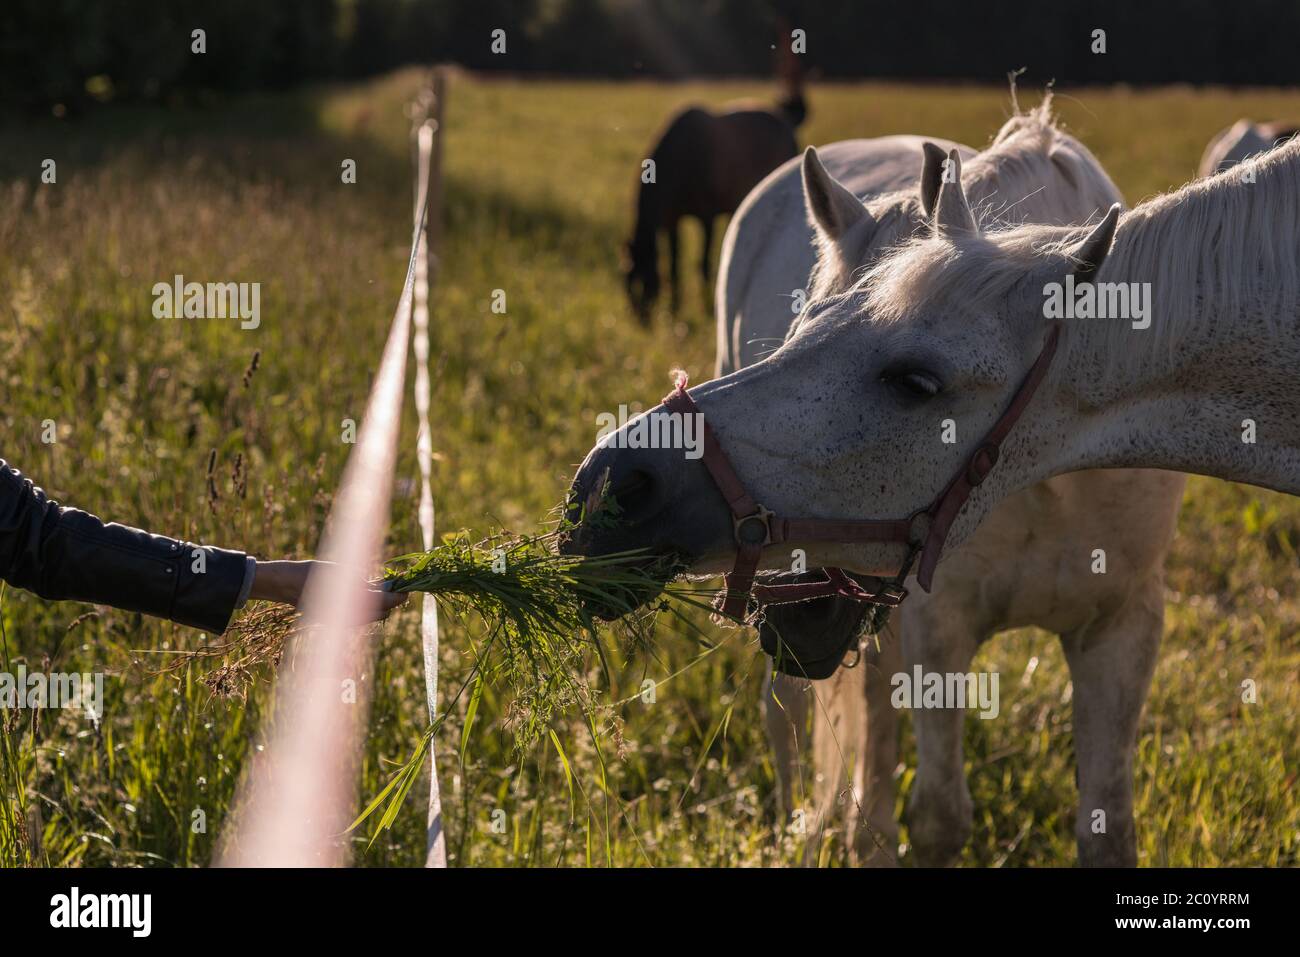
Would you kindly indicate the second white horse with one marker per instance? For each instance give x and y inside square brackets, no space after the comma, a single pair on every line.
[1031,563]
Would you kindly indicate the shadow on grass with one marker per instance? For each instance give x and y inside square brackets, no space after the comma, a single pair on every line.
[279,138]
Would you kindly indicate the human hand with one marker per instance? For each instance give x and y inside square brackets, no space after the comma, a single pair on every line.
[283,581]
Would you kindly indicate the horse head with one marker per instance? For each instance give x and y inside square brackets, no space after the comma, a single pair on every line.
[877,400]
[641,275]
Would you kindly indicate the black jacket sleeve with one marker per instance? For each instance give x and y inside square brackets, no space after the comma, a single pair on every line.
[64,553]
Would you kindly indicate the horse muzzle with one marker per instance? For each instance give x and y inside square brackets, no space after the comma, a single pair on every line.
[655,500]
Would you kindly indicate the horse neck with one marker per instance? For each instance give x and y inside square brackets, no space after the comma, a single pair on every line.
[1209,387]
[1039,176]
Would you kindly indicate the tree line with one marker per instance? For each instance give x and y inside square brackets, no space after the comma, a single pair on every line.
[79,52]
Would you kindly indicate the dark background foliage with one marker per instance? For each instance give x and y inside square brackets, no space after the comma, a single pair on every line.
[79,52]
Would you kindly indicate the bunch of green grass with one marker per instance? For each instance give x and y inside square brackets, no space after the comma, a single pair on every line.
[542,611]
[525,585]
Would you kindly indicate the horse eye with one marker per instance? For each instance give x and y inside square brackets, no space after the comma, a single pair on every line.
[914,384]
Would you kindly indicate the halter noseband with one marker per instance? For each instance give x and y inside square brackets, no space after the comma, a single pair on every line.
[925,531]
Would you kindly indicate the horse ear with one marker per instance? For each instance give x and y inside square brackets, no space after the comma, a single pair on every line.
[832,209]
[931,176]
[1091,253]
[952,213]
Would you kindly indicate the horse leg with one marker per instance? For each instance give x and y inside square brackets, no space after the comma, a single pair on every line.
[674,274]
[785,713]
[1111,663]
[822,628]
[940,813]
[876,834]
[707,222]
[839,721]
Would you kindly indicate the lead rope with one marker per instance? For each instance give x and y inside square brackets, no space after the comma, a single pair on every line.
[428,162]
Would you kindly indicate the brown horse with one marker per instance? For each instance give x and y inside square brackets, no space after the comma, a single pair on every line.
[704,164]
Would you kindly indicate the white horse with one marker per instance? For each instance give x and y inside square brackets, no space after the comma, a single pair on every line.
[1194,372]
[1203,380]
[1110,625]
[1241,141]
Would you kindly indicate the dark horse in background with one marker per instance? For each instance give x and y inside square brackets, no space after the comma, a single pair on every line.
[705,163]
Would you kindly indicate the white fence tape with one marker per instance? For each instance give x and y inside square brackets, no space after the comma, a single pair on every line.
[428,171]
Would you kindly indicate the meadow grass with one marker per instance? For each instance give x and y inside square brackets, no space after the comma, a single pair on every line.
[539,188]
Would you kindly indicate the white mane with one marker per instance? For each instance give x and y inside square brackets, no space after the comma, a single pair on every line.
[1208,250]
[1031,171]
[1032,157]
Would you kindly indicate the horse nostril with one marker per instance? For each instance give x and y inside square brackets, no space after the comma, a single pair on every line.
[634,494]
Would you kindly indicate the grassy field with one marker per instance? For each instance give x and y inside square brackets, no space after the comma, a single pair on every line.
[539,190]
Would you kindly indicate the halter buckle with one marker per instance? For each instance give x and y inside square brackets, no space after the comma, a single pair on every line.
[760,514]
[890,594]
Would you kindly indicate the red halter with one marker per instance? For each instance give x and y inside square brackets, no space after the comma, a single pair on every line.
[924,531]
